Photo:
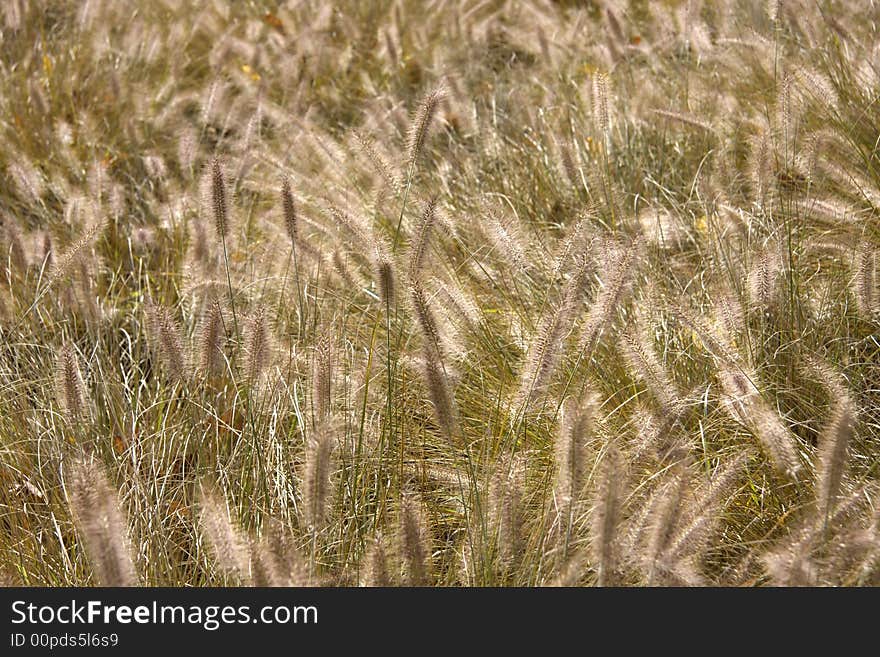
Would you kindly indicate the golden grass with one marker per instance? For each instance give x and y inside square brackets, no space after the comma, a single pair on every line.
[446,293]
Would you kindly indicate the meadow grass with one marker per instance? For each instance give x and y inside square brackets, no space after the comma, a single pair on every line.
[476,293]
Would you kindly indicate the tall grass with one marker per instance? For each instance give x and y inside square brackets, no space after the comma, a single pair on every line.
[506,293]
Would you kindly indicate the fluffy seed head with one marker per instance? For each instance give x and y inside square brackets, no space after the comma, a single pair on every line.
[289,209]
[322,376]
[571,450]
[226,541]
[384,267]
[167,340]
[375,570]
[257,347]
[436,378]
[617,285]
[662,521]
[705,513]
[422,124]
[643,361]
[775,438]
[600,102]
[70,388]
[764,277]
[414,539]
[442,400]
[101,523]
[506,515]
[546,347]
[422,237]
[832,455]
[864,281]
[317,478]
[12,247]
[211,340]
[606,517]
[218,199]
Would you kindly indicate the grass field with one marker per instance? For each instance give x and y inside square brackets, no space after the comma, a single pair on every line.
[476,293]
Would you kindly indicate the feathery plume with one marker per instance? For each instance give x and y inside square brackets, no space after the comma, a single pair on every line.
[421,239]
[187,150]
[606,517]
[422,124]
[316,487]
[341,265]
[442,400]
[545,349]
[218,199]
[212,339]
[792,567]
[507,244]
[375,570]
[155,167]
[424,315]
[638,350]
[13,247]
[101,523]
[764,277]
[47,251]
[759,166]
[385,273]
[663,520]
[686,119]
[615,289]
[615,28]
[28,181]
[267,568]
[228,544]
[12,14]
[459,305]
[864,281]
[275,561]
[578,240]
[571,450]
[567,160]
[322,376]
[506,515]
[5,307]
[379,163]
[661,228]
[871,560]
[198,244]
[744,403]
[414,539]
[833,442]
[706,513]
[257,347]
[600,102]
[289,210]
[71,256]
[434,369]
[656,433]
[788,111]
[776,439]
[715,343]
[71,390]
[166,339]
[729,316]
